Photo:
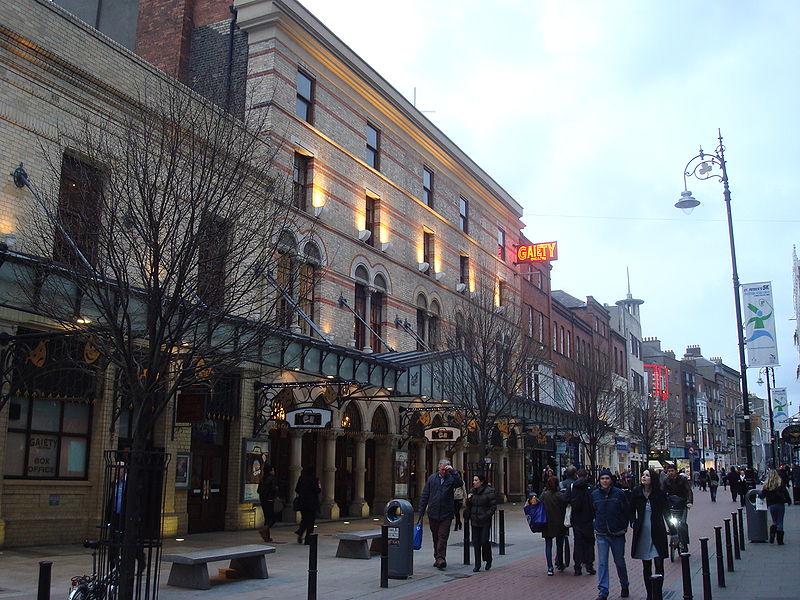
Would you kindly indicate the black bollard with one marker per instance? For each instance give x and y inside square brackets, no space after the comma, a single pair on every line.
[735,526]
[311,538]
[720,560]
[741,530]
[466,541]
[728,547]
[706,568]
[687,576]
[384,556]
[502,532]
[45,570]
[656,585]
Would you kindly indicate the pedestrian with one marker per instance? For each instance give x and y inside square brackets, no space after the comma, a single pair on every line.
[267,493]
[569,479]
[582,519]
[796,482]
[308,490]
[481,504]
[679,496]
[702,480]
[733,482]
[611,513]
[648,509]
[776,495]
[554,509]
[458,502]
[437,499]
[713,483]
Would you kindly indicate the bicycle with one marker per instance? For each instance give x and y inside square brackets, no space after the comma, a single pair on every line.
[678,530]
[93,587]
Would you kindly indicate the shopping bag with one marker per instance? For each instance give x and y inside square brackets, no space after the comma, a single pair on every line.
[417,536]
[568,517]
[761,504]
[534,513]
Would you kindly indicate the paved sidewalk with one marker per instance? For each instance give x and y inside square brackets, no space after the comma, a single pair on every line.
[766,572]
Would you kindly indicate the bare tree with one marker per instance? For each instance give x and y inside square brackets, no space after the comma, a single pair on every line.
[165,222]
[590,392]
[648,419]
[490,361]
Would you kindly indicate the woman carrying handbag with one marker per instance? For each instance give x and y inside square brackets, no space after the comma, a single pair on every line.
[648,510]
[481,504]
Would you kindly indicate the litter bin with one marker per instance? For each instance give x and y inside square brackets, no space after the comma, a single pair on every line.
[756,519]
[399,517]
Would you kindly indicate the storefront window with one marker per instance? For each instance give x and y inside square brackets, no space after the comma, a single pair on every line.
[47,439]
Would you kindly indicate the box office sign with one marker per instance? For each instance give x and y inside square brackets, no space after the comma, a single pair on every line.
[42,456]
[309,418]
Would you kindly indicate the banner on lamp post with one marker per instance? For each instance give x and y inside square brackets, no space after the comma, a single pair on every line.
[759,324]
[780,408]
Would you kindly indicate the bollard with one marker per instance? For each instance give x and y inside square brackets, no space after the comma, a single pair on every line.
[656,584]
[720,561]
[741,530]
[502,532]
[687,576]
[45,570]
[384,556]
[728,547]
[735,526]
[466,541]
[311,538]
[706,568]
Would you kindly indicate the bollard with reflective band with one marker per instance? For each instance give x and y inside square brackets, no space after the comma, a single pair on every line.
[687,576]
[728,546]
[720,559]
[706,568]
[502,532]
[735,526]
[311,540]
[45,572]
[656,585]
[741,529]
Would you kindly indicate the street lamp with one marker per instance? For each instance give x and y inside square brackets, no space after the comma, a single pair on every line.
[702,167]
[771,418]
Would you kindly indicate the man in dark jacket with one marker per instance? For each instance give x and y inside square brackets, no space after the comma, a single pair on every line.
[796,482]
[437,499]
[611,514]
[579,498]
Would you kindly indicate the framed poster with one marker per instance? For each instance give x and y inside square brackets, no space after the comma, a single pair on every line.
[183,467]
[255,454]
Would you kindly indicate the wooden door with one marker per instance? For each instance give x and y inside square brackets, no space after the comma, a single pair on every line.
[207,492]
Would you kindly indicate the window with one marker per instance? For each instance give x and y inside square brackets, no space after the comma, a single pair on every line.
[373,147]
[307,296]
[79,205]
[530,321]
[532,383]
[371,219]
[422,321]
[568,351]
[305,97]
[433,326]
[554,341]
[501,244]
[636,347]
[212,261]
[47,439]
[428,250]
[285,277]
[501,293]
[376,312]
[361,310]
[300,181]
[427,186]
[561,344]
[541,327]
[463,271]
[463,214]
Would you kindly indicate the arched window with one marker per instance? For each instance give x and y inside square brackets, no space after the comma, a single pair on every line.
[286,277]
[376,311]
[422,317]
[360,307]
[380,422]
[351,418]
[433,325]
[308,285]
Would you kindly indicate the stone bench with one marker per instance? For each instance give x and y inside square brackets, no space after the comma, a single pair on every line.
[353,544]
[190,569]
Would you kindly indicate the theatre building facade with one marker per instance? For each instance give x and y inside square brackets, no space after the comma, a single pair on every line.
[392,228]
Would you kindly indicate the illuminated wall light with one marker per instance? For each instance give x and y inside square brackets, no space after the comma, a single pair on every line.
[384,233]
[318,197]
[420,254]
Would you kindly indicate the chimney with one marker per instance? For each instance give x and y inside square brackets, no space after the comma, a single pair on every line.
[693,352]
[652,342]
[163,35]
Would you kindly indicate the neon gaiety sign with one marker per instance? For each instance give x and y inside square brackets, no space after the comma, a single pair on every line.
[544,251]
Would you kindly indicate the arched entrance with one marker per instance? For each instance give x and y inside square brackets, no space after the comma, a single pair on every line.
[345,478]
[379,426]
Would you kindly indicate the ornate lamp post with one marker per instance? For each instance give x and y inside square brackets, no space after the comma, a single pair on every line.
[702,167]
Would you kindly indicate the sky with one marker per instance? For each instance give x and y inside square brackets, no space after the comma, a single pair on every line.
[587,112]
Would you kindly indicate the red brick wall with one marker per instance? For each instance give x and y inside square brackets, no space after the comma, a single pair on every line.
[211,11]
[163,34]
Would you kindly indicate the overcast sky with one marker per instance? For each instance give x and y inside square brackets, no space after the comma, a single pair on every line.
[587,113]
